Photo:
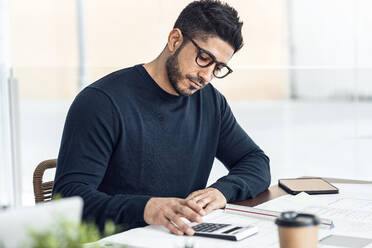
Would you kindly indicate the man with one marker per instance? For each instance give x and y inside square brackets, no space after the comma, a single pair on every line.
[139,144]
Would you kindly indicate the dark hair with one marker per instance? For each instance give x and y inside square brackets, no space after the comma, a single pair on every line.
[207,18]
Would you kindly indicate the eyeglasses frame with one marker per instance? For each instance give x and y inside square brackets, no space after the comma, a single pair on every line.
[201,50]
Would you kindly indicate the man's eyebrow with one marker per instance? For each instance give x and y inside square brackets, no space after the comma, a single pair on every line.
[205,50]
[219,62]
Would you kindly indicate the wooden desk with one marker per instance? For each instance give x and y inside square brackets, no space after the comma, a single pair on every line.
[275,191]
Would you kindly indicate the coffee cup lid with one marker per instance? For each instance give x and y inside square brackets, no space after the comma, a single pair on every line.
[294,219]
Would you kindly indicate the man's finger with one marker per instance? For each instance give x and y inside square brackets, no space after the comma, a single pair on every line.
[171,227]
[189,213]
[164,221]
[196,207]
[182,226]
[204,201]
[212,206]
[194,194]
[198,197]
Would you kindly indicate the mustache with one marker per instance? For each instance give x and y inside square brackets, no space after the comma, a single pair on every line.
[196,79]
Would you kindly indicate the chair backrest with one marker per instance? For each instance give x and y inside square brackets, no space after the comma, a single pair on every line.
[43,190]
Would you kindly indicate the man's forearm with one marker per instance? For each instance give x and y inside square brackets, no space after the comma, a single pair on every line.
[125,211]
[249,177]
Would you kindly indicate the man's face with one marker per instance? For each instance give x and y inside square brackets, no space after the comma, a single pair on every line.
[185,75]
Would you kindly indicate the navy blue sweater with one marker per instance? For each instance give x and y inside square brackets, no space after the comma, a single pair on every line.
[126,140]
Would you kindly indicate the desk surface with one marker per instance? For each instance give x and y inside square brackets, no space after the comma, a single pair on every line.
[275,191]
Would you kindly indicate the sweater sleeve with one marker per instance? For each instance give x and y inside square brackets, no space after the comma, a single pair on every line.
[91,131]
[249,169]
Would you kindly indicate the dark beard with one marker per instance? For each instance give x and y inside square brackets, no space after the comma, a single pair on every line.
[174,75]
[173,71]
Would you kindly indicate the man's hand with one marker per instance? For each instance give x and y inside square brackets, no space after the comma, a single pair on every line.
[168,212]
[209,199]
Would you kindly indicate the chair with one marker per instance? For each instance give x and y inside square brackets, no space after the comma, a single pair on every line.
[43,190]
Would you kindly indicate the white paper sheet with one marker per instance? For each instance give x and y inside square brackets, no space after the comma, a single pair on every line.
[156,236]
[351,215]
[355,190]
[350,211]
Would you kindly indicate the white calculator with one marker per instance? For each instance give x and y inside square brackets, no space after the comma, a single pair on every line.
[224,231]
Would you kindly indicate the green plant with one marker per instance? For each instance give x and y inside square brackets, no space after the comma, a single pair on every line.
[69,235]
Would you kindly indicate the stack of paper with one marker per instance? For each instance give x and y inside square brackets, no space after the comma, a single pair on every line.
[351,212]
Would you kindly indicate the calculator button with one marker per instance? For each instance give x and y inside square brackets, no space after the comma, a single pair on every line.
[209,227]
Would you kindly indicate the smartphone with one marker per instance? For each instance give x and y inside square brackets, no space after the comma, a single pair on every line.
[311,186]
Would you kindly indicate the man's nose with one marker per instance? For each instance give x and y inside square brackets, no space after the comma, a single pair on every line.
[207,73]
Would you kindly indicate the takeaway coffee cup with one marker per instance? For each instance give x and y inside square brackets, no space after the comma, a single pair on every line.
[298,230]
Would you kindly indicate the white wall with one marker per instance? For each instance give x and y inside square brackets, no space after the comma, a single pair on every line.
[329,39]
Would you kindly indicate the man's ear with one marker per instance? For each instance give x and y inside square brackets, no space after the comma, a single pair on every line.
[175,40]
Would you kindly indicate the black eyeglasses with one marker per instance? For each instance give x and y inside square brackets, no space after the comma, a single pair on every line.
[204,59]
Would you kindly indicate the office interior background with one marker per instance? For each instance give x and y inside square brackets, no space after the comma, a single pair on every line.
[301,87]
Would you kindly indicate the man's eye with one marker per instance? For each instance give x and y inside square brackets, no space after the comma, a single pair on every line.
[204,58]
